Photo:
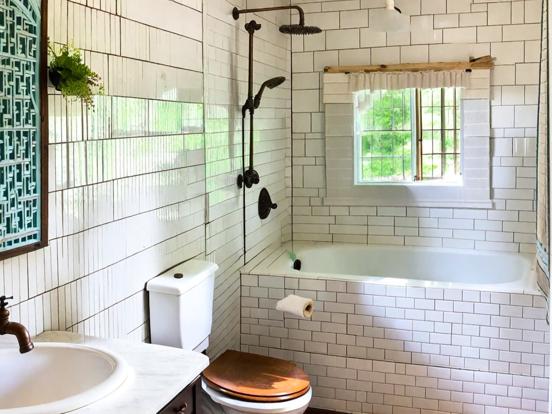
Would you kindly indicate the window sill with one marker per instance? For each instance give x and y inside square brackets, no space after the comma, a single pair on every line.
[413,184]
[369,202]
[416,194]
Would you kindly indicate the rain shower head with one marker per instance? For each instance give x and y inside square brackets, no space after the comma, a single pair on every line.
[299,29]
[270,84]
[292,29]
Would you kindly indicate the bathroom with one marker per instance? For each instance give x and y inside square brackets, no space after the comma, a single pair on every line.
[427,267]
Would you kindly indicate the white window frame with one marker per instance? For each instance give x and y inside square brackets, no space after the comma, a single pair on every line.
[438,182]
[473,191]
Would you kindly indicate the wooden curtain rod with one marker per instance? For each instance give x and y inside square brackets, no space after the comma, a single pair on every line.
[484,62]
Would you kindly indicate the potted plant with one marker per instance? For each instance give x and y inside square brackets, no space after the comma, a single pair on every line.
[71,76]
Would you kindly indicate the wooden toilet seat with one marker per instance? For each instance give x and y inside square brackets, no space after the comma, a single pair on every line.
[256,378]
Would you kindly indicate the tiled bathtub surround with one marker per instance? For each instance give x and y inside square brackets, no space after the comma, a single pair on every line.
[389,349]
[442,31]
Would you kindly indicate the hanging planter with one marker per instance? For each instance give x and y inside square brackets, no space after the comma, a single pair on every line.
[55,78]
[72,77]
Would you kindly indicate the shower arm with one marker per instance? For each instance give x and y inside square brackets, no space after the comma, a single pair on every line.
[236,12]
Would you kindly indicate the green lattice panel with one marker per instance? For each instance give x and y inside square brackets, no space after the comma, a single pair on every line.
[19,123]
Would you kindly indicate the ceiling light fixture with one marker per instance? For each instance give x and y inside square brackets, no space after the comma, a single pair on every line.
[389,19]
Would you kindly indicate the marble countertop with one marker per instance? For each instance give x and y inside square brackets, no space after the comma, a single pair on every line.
[158,373]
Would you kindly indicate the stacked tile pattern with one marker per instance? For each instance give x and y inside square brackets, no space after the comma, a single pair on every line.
[443,31]
[127,180]
[147,180]
[372,348]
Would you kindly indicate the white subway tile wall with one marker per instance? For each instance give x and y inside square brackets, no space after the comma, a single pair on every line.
[226,72]
[127,181]
[373,348]
[148,181]
[143,183]
[442,31]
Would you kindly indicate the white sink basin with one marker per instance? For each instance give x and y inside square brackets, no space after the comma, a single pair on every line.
[57,378]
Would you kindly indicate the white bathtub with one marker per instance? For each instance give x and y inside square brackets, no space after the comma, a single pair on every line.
[407,266]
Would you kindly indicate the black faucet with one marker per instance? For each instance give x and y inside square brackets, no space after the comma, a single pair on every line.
[14,328]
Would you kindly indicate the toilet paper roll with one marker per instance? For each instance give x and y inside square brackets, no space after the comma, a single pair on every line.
[296,305]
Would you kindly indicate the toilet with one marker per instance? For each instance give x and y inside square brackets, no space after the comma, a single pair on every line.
[181,309]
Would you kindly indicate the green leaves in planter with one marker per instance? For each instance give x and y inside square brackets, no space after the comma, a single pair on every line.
[71,76]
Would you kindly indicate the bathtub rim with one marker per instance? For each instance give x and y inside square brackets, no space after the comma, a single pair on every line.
[264,265]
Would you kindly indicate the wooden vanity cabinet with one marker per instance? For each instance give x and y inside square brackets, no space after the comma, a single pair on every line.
[187,401]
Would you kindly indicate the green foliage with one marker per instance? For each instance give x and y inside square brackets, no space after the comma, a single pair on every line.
[387,137]
[73,78]
[292,256]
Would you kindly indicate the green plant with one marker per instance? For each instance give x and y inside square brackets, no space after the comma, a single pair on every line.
[292,256]
[71,76]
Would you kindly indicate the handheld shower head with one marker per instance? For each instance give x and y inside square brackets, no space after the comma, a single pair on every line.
[299,29]
[270,84]
[274,82]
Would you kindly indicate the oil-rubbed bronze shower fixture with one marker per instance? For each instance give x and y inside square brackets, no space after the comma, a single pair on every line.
[265,204]
[293,29]
[250,176]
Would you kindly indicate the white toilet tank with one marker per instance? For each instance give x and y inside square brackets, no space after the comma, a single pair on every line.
[181,305]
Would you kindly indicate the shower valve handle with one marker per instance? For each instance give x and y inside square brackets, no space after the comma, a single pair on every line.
[265,204]
[249,178]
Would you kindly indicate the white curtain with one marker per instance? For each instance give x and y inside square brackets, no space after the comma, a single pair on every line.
[362,84]
[374,81]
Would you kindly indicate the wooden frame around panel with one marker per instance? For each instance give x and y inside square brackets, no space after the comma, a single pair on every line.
[43,93]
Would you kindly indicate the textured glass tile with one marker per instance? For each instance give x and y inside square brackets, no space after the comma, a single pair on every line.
[193,117]
[166,117]
[130,117]
[19,123]
[99,120]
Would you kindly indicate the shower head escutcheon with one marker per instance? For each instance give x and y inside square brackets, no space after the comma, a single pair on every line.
[292,29]
[270,84]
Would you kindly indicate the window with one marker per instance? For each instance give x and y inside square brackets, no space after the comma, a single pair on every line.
[408,135]
[374,143]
